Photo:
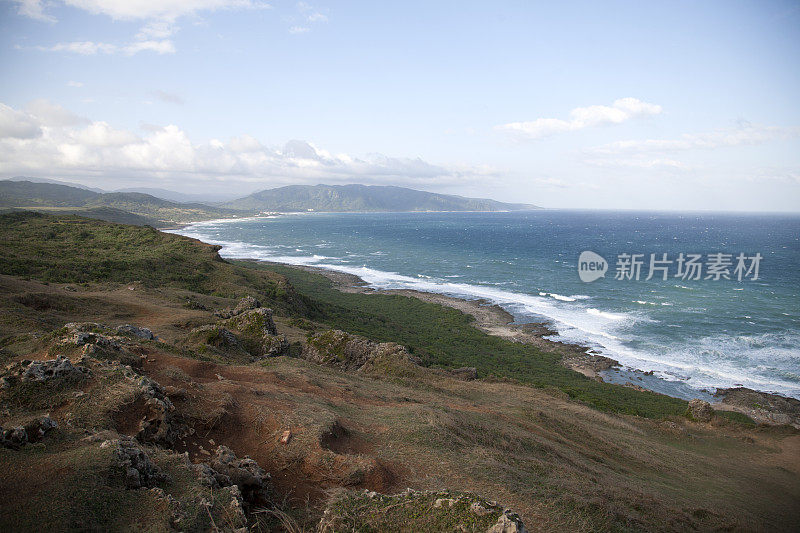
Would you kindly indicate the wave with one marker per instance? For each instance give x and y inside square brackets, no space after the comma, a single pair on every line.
[714,361]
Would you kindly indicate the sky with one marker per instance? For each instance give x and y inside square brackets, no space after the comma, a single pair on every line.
[601,105]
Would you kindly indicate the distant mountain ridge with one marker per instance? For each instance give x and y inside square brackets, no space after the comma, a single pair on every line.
[370,198]
[48,196]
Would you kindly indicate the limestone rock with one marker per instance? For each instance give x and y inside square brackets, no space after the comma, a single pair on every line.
[252,480]
[136,465]
[351,352]
[57,368]
[142,333]
[700,411]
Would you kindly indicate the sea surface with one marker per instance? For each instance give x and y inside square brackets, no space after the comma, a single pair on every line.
[696,335]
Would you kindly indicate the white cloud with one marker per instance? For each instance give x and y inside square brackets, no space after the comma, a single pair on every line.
[17,124]
[90,48]
[39,144]
[620,111]
[167,10]
[153,36]
[33,9]
[157,29]
[309,16]
[744,134]
[72,83]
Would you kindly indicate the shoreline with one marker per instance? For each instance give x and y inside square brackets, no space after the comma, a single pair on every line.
[762,407]
[489,317]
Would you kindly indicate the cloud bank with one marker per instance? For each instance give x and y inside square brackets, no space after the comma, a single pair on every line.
[620,111]
[47,141]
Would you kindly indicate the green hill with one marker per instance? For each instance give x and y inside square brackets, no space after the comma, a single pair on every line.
[363,198]
[108,206]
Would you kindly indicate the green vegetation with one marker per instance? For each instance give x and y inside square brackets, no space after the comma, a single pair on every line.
[363,198]
[76,250]
[444,337]
[128,207]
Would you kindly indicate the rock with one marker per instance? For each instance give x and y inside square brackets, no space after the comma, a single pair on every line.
[142,333]
[417,511]
[57,368]
[39,427]
[275,345]
[467,373]
[351,352]
[286,436]
[508,522]
[138,469]
[245,304]
[252,480]
[215,335]
[13,438]
[254,322]
[762,407]
[700,411]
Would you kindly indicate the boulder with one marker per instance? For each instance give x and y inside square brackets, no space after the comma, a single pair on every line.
[57,368]
[142,333]
[215,335]
[700,410]
[252,480]
[245,304]
[14,438]
[351,352]
[254,322]
[138,469]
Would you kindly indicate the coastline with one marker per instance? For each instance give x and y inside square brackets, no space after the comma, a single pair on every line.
[489,318]
[763,407]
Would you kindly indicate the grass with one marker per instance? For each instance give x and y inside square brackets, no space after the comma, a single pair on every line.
[75,250]
[445,337]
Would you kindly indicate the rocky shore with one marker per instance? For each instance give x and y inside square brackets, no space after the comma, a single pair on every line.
[763,407]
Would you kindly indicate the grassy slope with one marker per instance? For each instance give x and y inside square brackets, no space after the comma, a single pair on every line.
[565,466]
[444,337]
[78,250]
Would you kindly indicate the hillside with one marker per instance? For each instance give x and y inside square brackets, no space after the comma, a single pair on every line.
[51,196]
[148,384]
[344,198]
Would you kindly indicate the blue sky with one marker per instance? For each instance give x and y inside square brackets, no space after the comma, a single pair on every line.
[673,105]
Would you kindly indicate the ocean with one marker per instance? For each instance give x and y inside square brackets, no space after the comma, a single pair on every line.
[694,334]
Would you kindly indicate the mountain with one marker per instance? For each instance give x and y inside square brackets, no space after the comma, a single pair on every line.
[57,182]
[181,197]
[107,206]
[373,198]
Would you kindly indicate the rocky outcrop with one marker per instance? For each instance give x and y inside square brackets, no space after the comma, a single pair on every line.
[700,411]
[254,322]
[762,407]
[225,470]
[33,431]
[418,511]
[142,333]
[57,368]
[99,341]
[138,469]
[245,304]
[150,417]
[339,349]
[216,336]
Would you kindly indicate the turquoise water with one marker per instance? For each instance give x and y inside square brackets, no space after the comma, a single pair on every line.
[700,334]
